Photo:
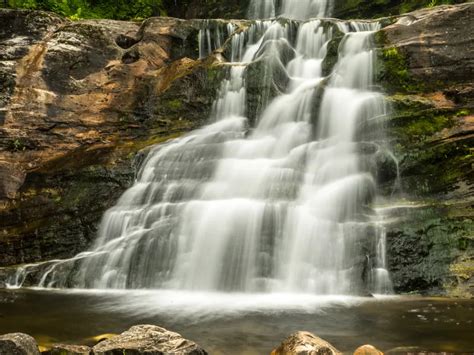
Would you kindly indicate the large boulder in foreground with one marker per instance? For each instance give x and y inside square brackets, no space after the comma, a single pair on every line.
[305,343]
[148,339]
[18,344]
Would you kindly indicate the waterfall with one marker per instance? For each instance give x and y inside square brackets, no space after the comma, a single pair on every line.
[281,204]
[292,9]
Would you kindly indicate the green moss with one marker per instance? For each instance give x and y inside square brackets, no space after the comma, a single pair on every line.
[427,126]
[412,124]
[392,70]
[462,113]
[175,104]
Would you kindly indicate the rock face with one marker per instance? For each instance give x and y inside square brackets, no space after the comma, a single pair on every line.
[305,343]
[78,100]
[18,344]
[148,339]
[426,64]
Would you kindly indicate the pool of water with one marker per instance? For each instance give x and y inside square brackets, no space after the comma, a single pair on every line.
[242,323]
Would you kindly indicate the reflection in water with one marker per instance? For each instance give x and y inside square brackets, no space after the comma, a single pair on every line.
[237,324]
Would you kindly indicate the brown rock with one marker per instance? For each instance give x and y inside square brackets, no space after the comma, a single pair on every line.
[305,343]
[67,349]
[18,344]
[437,44]
[78,101]
[11,178]
[367,350]
[148,339]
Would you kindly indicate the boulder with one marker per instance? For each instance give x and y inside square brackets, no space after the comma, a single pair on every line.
[305,343]
[18,344]
[367,350]
[68,349]
[148,339]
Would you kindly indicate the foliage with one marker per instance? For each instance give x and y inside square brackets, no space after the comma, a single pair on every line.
[76,9]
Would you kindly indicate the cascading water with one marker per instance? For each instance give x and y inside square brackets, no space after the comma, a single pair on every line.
[281,206]
[292,9]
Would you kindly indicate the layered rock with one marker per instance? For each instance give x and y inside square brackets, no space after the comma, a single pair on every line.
[79,100]
[148,339]
[426,65]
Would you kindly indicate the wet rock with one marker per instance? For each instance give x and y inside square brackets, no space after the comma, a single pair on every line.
[425,62]
[305,343]
[432,52]
[76,107]
[367,350]
[148,339]
[18,344]
[67,349]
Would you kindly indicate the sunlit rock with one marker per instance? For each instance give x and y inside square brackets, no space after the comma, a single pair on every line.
[305,343]
[367,350]
[67,349]
[148,339]
[18,344]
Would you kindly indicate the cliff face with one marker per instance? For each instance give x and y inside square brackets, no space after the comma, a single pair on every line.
[426,65]
[81,100]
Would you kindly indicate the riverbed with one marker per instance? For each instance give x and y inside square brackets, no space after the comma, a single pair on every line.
[242,323]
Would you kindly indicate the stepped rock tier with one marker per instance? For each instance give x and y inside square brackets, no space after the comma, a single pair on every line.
[299,154]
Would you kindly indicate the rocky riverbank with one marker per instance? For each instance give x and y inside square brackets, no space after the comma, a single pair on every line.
[151,339]
[81,101]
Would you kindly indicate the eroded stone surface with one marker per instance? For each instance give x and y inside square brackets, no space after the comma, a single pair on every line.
[148,339]
[67,349]
[305,343]
[18,344]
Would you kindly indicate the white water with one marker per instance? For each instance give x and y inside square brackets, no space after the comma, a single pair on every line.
[292,9]
[281,206]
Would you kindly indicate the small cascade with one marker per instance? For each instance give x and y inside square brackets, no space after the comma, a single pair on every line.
[261,9]
[291,9]
[279,203]
[212,36]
